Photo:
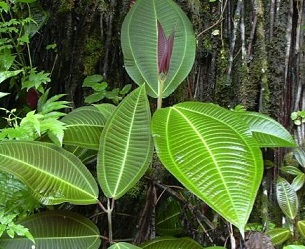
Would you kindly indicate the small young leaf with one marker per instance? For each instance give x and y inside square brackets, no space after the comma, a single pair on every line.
[92,79]
[165,49]
[278,235]
[291,170]
[299,155]
[298,182]
[294,115]
[95,97]
[301,114]
[287,198]
[126,89]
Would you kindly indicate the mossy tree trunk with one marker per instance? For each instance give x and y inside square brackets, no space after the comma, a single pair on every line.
[248,52]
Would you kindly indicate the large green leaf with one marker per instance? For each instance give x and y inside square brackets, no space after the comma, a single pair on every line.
[56,230]
[139,39]
[266,130]
[52,173]
[123,245]
[287,198]
[171,243]
[212,153]
[84,125]
[126,145]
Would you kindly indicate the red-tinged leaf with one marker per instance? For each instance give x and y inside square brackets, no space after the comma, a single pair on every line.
[32,98]
[165,49]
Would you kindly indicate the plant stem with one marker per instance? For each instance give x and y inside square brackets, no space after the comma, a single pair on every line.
[232,239]
[160,93]
[110,207]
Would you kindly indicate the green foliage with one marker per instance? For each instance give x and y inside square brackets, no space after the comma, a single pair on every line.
[139,40]
[287,198]
[298,117]
[123,245]
[294,247]
[126,145]
[49,174]
[168,221]
[15,34]
[37,124]
[7,224]
[100,90]
[84,126]
[189,141]
[279,235]
[57,229]
[215,153]
[171,243]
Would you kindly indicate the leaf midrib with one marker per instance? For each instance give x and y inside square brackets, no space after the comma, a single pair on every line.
[211,155]
[48,174]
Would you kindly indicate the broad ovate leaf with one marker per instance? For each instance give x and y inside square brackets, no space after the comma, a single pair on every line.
[266,130]
[171,243]
[84,126]
[287,198]
[56,230]
[213,154]
[143,45]
[125,145]
[53,174]
[278,235]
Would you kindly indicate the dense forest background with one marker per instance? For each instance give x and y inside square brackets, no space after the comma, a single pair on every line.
[248,52]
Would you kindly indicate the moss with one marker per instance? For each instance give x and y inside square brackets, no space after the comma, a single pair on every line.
[92,54]
[66,6]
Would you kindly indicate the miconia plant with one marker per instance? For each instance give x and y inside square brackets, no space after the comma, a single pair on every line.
[213,152]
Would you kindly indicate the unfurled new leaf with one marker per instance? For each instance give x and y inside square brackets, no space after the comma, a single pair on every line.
[165,49]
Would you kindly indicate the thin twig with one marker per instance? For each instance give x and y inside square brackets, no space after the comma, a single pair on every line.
[217,22]
[185,202]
